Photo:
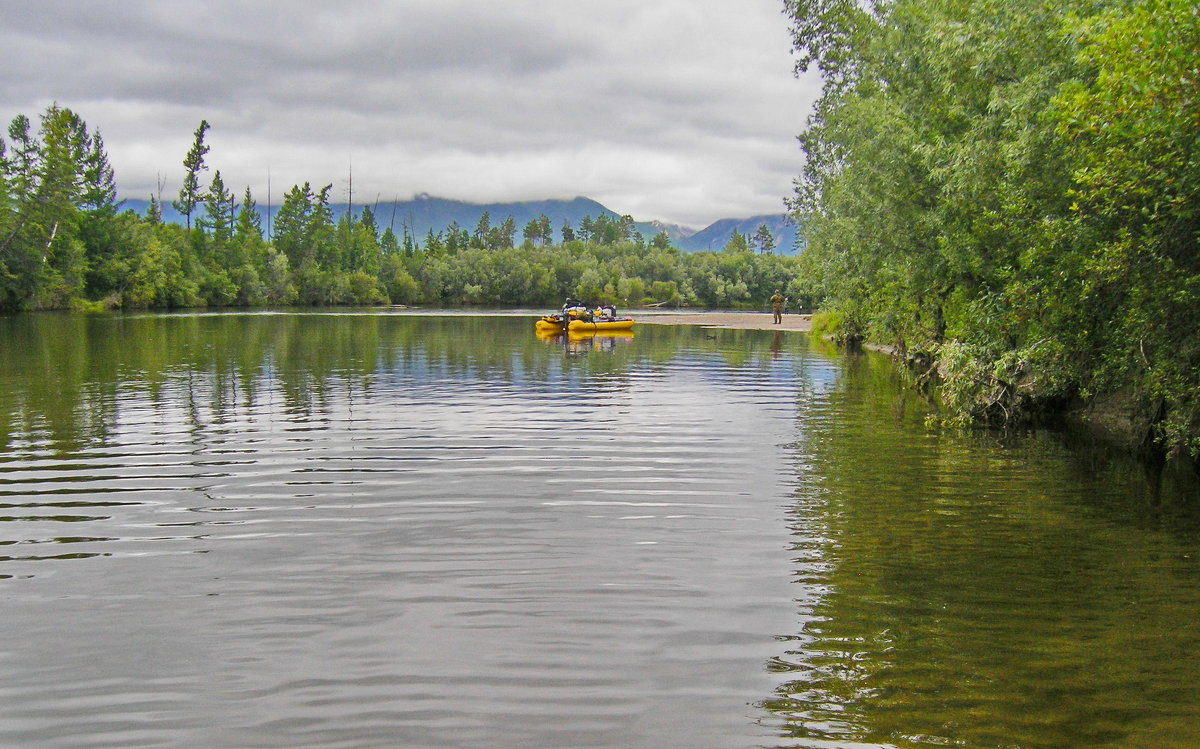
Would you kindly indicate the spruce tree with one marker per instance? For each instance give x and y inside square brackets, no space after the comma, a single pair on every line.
[191,194]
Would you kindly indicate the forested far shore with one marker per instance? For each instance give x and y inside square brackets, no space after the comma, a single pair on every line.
[1008,193]
[66,243]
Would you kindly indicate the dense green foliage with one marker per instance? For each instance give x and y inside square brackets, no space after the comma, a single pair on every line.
[1009,190]
[64,242]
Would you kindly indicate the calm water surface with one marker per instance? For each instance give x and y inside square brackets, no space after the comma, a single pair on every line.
[362,529]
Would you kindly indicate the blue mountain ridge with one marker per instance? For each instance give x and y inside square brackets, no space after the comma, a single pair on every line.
[423,213]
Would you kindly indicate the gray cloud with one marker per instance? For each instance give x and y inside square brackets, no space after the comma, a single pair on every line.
[680,110]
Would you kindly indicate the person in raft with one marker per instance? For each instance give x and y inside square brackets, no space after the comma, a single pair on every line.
[777,302]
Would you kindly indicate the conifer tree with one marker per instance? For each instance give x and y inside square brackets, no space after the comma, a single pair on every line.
[54,216]
[99,182]
[291,223]
[764,240]
[23,159]
[154,211]
[219,211]
[249,223]
[191,194]
[482,230]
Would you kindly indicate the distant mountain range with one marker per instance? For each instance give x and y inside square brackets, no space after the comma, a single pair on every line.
[714,236]
[423,213]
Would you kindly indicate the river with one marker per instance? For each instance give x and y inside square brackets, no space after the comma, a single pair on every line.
[366,528]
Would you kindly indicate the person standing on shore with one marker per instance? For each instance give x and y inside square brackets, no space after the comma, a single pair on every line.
[777,302]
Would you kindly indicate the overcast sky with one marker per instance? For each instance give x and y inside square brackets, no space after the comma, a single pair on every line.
[683,111]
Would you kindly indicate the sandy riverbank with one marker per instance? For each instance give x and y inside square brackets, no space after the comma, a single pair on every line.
[739,320]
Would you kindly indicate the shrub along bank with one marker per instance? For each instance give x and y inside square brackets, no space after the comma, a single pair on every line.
[1009,192]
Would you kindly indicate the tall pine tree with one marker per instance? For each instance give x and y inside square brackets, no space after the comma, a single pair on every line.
[191,194]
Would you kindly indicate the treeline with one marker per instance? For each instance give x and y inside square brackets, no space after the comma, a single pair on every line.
[1009,190]
[66,243]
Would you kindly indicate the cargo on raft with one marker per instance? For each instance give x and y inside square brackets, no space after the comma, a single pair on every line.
[552,325]
[576,317]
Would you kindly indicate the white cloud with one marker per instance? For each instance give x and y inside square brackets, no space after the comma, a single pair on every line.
[679,110]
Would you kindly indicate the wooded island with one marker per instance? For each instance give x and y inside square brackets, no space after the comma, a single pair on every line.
[66,243]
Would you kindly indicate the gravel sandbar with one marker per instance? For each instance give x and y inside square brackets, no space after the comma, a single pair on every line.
[739,320]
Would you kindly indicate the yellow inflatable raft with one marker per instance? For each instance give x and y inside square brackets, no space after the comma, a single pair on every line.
[553,323]
[601,326]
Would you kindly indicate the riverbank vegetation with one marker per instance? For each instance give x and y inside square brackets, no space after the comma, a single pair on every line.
[1008,191]
[65,242]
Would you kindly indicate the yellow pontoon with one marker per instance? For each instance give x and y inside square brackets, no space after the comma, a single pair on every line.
[554,324]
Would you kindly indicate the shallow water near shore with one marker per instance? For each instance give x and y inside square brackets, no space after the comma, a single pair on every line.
[353,529]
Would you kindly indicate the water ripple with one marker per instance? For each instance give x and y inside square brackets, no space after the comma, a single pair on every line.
[391,536]
[448,562]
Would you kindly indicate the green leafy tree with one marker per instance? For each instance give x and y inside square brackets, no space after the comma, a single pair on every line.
[277,279]
[397,282]
[1007,189]
[1132,131]
[158,274]
[665,291]
[590,286]
[631,290]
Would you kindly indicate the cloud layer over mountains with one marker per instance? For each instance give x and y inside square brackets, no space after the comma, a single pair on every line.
[678,110]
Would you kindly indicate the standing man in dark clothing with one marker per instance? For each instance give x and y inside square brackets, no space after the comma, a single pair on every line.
[777,302]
